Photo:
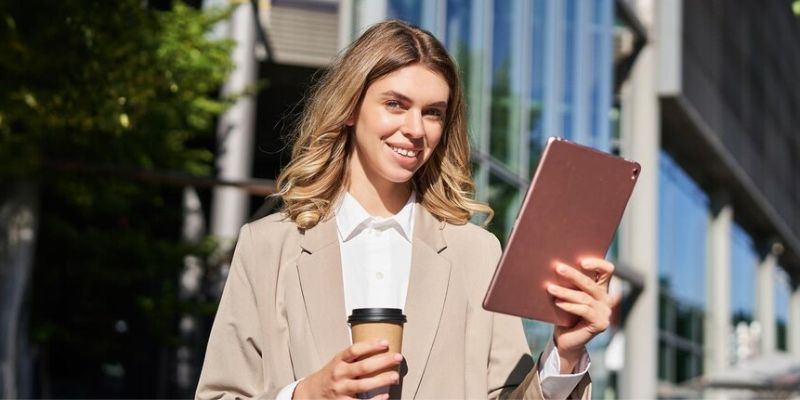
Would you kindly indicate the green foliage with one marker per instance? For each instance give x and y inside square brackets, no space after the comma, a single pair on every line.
[796,7]
[90,86]
[107,82]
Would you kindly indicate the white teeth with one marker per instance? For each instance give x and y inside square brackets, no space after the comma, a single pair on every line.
[404,152]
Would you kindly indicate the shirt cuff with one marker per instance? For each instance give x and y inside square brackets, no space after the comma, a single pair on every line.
[288,391]
[556,385]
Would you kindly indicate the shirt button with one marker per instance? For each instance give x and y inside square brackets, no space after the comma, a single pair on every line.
[379,275]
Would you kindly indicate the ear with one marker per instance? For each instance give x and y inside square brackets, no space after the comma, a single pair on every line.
[351,121]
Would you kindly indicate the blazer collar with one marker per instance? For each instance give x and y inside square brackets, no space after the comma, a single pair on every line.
[320,235]
[319,268]
[428,229]
[427,291]
[320,271]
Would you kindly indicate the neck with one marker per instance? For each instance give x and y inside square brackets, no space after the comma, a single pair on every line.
[380,203]
[379,197]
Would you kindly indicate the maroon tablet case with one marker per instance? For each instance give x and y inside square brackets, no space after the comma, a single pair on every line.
[571,211]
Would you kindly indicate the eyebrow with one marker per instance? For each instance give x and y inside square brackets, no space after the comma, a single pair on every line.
[392,93]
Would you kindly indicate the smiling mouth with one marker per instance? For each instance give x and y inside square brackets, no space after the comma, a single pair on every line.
[405,152]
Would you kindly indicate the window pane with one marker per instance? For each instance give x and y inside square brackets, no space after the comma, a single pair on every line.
[782,293]
[665,311]
[682,224]
[682,227]
[664,355]
[601,76]
[683,365]
[502,99]
[744,261]
[781,343]
[536,93]
[457,34]
[568,94]
[502,198]
[406,10]
[684,326]
[537,333]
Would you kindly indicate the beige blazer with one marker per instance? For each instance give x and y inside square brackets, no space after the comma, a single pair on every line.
[282,315]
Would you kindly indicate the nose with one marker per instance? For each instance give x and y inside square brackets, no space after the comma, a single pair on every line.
[414,126]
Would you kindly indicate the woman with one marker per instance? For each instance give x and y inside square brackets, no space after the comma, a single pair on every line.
[377,207]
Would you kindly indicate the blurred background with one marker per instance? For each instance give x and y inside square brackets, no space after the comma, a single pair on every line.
[137,136]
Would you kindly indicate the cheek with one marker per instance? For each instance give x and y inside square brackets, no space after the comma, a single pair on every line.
[376,124]
[435,139]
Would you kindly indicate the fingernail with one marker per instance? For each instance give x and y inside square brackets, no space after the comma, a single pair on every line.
[552,289]
[395,378]
[561,268]
[590,264]
[398,357]
[384,342]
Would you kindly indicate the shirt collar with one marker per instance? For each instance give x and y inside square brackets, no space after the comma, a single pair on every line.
[352,218]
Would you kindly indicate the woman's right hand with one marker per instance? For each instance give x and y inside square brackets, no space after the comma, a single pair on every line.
[340,378]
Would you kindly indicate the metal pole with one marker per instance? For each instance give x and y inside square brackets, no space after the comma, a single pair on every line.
[19,223]
[235,136]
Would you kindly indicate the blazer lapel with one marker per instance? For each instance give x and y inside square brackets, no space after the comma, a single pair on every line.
[427,290]
[320,271]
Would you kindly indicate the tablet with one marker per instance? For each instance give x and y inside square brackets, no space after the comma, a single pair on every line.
[571,211]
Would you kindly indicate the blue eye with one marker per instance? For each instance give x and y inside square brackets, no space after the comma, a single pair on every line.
[393,104]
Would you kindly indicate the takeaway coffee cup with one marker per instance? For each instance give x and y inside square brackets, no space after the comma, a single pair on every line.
[378,323]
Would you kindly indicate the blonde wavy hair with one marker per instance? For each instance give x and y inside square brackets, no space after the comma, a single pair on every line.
[318,170]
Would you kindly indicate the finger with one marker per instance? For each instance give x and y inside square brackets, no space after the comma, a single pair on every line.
[374,363]
[383,396]
[580,280]
[603,268]
[596,320]
[569,295]
[362,349]
[385,379]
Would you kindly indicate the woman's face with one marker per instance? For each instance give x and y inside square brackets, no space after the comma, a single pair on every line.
[399,124]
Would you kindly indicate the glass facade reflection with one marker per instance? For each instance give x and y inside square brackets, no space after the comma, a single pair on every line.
[782,293]
[682,230]
[536,93]
[744,261]
[505,94]
[407,10]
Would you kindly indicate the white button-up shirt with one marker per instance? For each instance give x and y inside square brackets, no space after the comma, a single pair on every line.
[376,255]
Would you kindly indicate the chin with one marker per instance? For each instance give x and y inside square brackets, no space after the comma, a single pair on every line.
[399,176]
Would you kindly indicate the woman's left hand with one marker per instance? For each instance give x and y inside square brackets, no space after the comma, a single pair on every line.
[589,300]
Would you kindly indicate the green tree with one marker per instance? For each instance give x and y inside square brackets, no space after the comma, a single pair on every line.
[93,94]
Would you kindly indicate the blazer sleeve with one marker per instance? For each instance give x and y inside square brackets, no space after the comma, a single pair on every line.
[512,372]
[233,367]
